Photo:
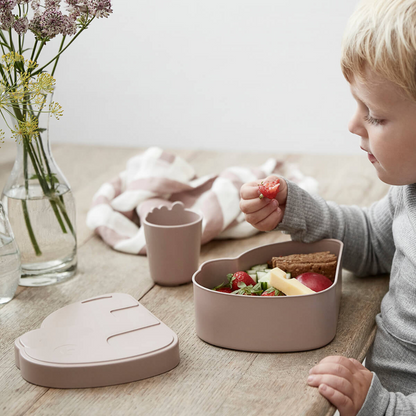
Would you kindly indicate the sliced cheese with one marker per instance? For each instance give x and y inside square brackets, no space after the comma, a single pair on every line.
[289,287]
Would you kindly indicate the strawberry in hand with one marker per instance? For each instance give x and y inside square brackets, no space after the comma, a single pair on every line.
[238,277]
[269,189]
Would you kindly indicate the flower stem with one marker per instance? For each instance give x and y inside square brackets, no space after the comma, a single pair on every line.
[3,75]
[13,50]
[58,56]
[61,206]
[26,212]
[39,51]
[34,49]
[63,50]
[45,158]
[44,183]
[30,229]
[11,41]
[58,215]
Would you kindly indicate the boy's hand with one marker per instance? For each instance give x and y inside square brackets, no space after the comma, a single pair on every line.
[263,213]
[343,381]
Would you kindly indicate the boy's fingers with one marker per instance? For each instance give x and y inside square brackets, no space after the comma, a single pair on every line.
[259,215]
[339,359]
[343,403]
[282,194]
[250,206]
[340,384]
[357,364]
[332,368]
[343,381]
[270,222]
[250,190]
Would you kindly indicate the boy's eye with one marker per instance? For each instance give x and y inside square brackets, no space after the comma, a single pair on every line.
[372,120]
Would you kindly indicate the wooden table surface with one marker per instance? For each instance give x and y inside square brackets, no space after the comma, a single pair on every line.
[208,380]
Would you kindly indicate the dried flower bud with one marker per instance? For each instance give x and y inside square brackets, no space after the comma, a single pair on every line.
[21,25]
[6,20]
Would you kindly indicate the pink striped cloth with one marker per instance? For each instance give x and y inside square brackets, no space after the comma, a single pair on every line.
[155,178]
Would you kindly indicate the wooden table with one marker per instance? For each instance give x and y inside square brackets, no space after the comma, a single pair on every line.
[208,380]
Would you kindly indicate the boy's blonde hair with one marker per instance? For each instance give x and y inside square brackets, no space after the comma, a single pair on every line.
[381,34]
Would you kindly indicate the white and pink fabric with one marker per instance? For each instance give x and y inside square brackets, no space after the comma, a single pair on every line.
[155,178]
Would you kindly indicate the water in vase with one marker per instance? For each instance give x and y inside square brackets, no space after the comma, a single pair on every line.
[9,268]
[42,230]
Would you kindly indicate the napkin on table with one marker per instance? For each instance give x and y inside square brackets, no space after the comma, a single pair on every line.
[155,178]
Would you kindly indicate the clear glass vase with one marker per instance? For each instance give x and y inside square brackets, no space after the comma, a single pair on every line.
[37,198]
[10,269]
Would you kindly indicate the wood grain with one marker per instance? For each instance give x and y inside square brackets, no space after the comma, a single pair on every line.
[209,380]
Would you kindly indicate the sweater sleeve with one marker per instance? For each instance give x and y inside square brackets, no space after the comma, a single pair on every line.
[381,402]
[366,232]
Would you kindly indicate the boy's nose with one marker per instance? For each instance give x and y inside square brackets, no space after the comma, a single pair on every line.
[355,126]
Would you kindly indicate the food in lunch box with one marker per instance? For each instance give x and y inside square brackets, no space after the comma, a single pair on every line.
[285,280]
[290,287]
[248,283]
[224,289]
[272,292]
[321,262]
[269,189]
[314,281]
[238,277]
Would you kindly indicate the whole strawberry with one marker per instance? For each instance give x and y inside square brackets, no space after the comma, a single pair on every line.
[238,277]
[269,189]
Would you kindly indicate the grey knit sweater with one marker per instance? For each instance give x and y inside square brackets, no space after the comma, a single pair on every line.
[379,239]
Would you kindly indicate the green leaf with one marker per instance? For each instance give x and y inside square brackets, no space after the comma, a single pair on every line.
[52,178]
[272,290]
[49,178]
[223,284]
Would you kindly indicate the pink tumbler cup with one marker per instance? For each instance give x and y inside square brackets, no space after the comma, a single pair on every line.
[173,244]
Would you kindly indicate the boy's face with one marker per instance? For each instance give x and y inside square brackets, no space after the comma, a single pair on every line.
[385,120]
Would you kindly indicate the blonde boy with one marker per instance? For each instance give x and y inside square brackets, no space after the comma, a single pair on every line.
[379,62]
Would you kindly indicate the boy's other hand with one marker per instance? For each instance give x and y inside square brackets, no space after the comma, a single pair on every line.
[263,213]
[343,381]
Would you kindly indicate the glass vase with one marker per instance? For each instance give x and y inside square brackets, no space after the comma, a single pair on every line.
[10,269]
[37,197]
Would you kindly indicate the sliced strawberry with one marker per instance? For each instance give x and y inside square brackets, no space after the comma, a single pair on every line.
[271,291]
[244,289]
[238,277]
[223,285]
[224,290]
[269,189]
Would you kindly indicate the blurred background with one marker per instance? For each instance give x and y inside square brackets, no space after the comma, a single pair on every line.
[249,75]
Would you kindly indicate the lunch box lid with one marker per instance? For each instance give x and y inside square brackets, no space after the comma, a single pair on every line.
[109,339]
